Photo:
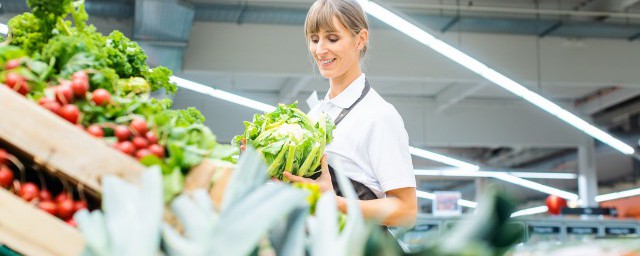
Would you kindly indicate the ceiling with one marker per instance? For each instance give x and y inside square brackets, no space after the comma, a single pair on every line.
[582,54]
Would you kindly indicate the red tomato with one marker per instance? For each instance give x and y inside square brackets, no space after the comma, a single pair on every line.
[122,132]
[65,209]
[64,92]
[14,63]
[45,195]
[95,131]
[13,78]
[126,147]
[49,207]
[61,197]
[157,150]
[80,76]
[151,137]
[6,176]
[138,125]
[70,113]
[49,104]
[555,204]
[80,88]
[18,83]
[140,142]
[100,96]
[142,153]
[29,191]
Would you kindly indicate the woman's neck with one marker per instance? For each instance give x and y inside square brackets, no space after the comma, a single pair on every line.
[338,84]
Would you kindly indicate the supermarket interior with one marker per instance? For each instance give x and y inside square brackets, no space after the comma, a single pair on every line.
[215,127]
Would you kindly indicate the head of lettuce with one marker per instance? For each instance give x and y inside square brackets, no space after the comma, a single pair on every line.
[289,140]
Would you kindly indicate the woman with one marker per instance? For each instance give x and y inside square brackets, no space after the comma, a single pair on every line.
[370,144]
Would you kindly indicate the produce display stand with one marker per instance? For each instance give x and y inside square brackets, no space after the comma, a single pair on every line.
[67,152]
[61,146]
[30,231]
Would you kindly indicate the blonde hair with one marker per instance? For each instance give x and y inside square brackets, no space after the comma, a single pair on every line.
[348,12]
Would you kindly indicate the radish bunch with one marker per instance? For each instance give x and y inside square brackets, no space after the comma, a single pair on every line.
[62,206]
[137,140]
[14,79]
[67,91]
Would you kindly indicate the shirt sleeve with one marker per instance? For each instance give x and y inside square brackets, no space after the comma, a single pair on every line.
[388,150]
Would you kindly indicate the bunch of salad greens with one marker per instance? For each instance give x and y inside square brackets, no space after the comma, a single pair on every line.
[289,140]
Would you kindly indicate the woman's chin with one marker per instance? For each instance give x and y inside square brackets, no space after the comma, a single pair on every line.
[326,74]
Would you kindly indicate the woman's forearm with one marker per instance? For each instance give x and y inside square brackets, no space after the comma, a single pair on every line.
[390,211]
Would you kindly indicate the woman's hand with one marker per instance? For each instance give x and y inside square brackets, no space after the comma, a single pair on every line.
[324,181]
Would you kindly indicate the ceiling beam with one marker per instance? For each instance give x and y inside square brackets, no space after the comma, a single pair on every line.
[608,5]
[597,104]
[454,94]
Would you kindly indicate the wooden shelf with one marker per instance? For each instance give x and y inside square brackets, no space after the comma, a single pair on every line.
[61,146]
[31,231]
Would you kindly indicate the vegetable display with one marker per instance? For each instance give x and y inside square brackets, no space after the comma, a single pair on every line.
[289,140]
[102,84]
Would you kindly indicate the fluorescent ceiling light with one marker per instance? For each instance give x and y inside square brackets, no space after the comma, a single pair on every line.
[443,159]
[536,186]
[4,29]
[530,211]
[545,175]
[222,94]
[464,173]
[467,203]
[483,70]
[502,176]
[452,173]
[618,195]
[425,195]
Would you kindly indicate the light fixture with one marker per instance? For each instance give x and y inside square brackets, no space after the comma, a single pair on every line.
[530,211]
[222,94]
[425,195]
[454,172]
[545,175]
[490,74]
[502,176]
[467,203]
[618,195]
[443,159]
[536,186]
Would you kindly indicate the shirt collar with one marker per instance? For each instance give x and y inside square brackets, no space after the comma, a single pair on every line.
[350,94]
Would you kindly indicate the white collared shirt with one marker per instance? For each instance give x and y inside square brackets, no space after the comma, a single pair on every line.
[370,145]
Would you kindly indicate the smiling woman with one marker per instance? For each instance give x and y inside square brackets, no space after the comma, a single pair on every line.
[370,144]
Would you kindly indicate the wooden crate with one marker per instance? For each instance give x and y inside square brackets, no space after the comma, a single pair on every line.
[31,231]
[59,145]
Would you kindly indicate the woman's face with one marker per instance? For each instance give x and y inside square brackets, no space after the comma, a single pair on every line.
[336,52]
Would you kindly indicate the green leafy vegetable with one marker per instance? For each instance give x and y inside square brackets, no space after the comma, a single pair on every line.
[289,140]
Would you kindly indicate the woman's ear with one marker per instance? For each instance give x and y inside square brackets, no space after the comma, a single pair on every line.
[362,37]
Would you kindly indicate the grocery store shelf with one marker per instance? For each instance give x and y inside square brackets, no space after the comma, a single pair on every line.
[59,145]
[18,224]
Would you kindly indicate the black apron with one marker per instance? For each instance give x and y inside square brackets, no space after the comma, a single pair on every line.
[363,192]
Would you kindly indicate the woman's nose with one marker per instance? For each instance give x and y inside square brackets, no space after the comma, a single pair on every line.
[320,48]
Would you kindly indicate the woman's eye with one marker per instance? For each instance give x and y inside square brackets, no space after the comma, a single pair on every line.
[333,40]
[314,40]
